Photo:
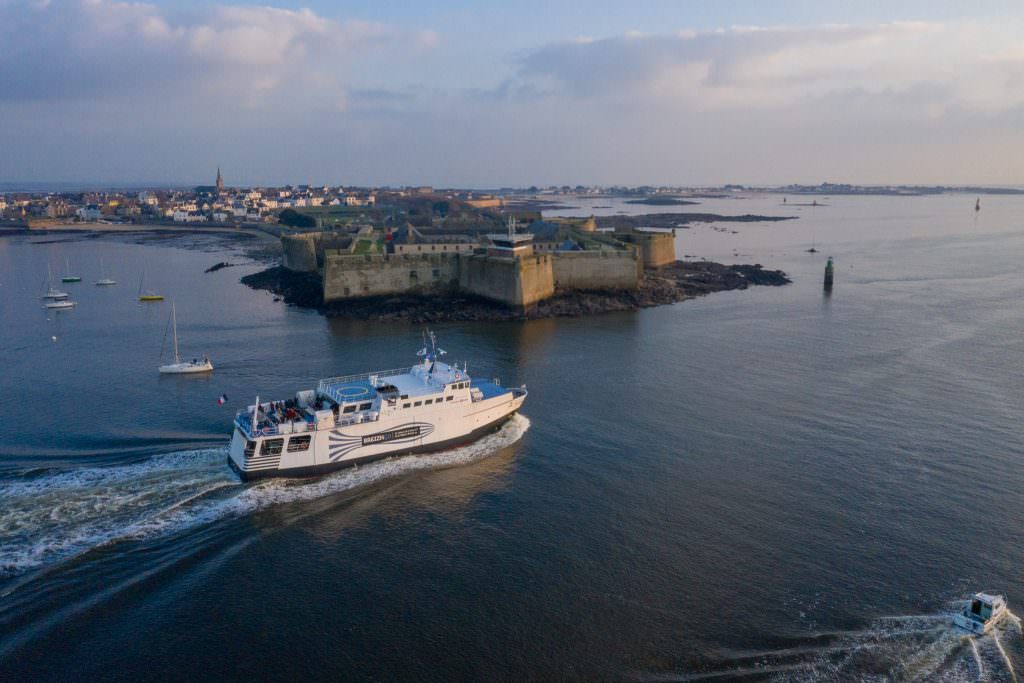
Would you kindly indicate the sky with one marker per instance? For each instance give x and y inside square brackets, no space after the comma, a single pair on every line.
[492,94]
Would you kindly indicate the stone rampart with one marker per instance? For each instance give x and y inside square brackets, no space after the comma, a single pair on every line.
[347,276]
[596,270]
[299,252]
[657,248]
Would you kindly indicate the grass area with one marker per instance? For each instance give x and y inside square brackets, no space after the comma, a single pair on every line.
[366,247]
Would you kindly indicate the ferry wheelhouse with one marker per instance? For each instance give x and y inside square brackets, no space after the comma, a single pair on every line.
[354,419]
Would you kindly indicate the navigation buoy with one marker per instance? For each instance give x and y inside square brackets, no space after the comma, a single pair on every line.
[828,275]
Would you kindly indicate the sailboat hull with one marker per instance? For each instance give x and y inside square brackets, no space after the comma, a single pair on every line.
[185,368]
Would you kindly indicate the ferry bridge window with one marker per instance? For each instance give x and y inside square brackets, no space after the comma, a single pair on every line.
[417,403]
[365,406]
[271,447]
[299,443]
[350,409]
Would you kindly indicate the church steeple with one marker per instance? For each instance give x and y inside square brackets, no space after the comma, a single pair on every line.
[220,181]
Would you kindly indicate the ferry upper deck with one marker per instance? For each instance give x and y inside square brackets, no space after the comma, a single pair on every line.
[353,399]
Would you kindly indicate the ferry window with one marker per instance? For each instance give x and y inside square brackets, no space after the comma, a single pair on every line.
[449,398]
[417,403]
[250,448]
[365,406]
[406,405]
[350,409]
[437,272]
[428,401]
[404,396]
[299,443]
[271,447]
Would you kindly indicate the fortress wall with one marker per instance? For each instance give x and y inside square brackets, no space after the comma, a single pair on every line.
[536,280]
[597,270]
[491,278]
[657,248]
[299,252]
[519,283]
[347,277]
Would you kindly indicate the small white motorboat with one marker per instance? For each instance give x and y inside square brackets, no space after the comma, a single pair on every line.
[59,304]
[983,611]
[179,367]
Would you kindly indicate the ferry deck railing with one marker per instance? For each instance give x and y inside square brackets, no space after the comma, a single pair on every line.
[324,385]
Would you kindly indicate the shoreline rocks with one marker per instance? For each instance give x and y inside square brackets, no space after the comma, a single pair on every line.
[670,284]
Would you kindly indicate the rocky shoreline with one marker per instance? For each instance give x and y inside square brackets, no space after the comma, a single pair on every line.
[681,220]
[667,285]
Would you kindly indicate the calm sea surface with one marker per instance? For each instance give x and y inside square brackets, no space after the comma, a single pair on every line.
[768,484]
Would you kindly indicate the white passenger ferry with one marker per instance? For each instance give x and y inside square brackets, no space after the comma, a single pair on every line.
[358,418]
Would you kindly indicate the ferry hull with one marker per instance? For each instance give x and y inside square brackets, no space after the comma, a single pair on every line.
[325,468]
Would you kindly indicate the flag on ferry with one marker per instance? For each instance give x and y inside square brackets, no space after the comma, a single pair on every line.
[222,399]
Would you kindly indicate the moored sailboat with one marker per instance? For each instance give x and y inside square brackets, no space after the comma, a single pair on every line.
[187,367]
[104,281]
[147,295]
[69,277]
[52,293]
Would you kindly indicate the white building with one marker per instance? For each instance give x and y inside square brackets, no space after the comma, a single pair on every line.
[89,213]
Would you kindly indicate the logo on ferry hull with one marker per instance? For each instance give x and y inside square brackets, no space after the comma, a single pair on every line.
[342,444]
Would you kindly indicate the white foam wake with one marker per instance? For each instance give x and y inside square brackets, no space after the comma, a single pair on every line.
[49,518]
[921,648]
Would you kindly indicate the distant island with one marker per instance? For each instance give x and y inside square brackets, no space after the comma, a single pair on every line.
[661,201]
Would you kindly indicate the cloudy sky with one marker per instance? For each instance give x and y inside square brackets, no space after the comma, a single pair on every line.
[485,94]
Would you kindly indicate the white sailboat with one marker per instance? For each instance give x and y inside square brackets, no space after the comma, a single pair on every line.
[53,294]
[104,280]
[187,367]
[60,304]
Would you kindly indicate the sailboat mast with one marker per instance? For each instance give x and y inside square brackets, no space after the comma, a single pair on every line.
[174,326]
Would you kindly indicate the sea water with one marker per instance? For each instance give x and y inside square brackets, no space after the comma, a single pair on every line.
[767,484]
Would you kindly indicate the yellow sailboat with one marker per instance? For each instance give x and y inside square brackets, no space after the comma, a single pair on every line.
[148,295]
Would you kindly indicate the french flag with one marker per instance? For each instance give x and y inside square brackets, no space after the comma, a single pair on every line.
[222,399]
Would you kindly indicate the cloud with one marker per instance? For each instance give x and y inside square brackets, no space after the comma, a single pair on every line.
[90,49]
[975,65]
[96,88]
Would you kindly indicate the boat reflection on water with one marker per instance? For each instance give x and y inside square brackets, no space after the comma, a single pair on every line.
[444,483]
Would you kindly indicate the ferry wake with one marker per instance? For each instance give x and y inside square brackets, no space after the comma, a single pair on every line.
[355,419]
